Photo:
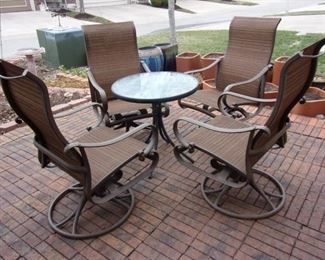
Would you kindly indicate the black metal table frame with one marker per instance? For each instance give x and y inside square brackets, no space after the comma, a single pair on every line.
[157,120]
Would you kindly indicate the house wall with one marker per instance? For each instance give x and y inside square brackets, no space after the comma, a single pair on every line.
[15,5]
[30,5]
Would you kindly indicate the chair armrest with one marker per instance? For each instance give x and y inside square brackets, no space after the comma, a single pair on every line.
[249,128]
[301,54]
[256,77]
[205,68]
[222,100]
[249,98]
[144,66]
[146,151]
[92,104]
[99,89]
[15,77]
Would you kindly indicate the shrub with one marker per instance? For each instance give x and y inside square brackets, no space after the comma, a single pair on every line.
[159,3]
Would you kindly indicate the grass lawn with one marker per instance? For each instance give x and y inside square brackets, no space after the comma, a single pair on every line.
[286,43]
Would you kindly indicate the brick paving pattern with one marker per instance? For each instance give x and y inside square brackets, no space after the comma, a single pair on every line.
[171,220]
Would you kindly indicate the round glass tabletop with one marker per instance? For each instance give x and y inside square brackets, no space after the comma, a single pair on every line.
[153,87]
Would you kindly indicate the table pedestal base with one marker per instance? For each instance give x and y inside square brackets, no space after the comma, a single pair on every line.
[159,123]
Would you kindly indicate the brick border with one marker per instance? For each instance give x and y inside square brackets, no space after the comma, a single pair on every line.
[7,127]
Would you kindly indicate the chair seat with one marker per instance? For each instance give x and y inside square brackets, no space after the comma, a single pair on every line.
[228,147]
[103,160]
[210,97]
[117,106]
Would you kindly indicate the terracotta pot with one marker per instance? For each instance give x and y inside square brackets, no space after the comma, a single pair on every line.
[271,90]
[269,75]
[311,107]
[208,84]
[206,60]
[278,64]
[187,61]
[319,82]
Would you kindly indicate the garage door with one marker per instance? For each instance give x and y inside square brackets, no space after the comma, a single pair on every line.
[14,5]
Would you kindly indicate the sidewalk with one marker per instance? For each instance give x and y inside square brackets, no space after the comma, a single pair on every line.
[303,24]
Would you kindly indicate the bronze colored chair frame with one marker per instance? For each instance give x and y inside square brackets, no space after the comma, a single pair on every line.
[112,53]
[242,69]
[236,146]
[95,160]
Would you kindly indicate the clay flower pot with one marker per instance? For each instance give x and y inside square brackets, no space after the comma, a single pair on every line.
[187,61]
[313,103]
[271,90]
[319,82]
[206,60]
[209,83]
[269,75]
[278,64]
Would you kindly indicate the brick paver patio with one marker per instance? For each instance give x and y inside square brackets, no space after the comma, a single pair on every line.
[171,220]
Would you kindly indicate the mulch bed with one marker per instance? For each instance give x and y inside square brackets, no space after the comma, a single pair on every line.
[60,89]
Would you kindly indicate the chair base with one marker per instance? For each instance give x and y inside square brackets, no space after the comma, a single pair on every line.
[76,225]
[214,193]
[205,109]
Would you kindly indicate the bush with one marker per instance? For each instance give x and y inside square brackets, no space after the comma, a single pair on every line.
[159,3]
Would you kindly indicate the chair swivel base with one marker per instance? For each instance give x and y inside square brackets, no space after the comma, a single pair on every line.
[215,193]
[76,224]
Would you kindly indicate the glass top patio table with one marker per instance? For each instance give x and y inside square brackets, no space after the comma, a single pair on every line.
[155,88]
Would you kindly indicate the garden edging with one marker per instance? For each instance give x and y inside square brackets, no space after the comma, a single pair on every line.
[7,127]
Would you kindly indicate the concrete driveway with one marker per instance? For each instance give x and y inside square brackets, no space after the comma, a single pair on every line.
[19,29]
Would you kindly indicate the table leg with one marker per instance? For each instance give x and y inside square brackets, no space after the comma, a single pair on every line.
[159,123]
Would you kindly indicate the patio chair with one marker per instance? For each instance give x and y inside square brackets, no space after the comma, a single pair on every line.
[112,53]
[242,69]
[236,146]
[95,160]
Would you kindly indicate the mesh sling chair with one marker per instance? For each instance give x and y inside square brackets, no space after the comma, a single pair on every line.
[112,53]
[242,69]
[94,160]
[236,146]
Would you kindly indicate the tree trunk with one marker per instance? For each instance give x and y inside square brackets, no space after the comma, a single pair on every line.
[171,15]
[81,6]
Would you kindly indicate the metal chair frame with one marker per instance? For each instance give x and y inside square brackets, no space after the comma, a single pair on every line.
[260,139]
[99,92]
[73,159]
[231,108]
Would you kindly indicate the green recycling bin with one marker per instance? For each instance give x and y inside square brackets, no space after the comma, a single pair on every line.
[63,46]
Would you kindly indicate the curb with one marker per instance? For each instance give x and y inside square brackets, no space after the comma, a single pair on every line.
[7,127]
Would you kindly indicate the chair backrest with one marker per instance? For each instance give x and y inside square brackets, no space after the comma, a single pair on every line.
[112,53]
[296,77]
[250,47]
[29,98]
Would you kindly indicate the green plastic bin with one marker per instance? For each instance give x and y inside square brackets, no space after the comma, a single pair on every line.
[63,47]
